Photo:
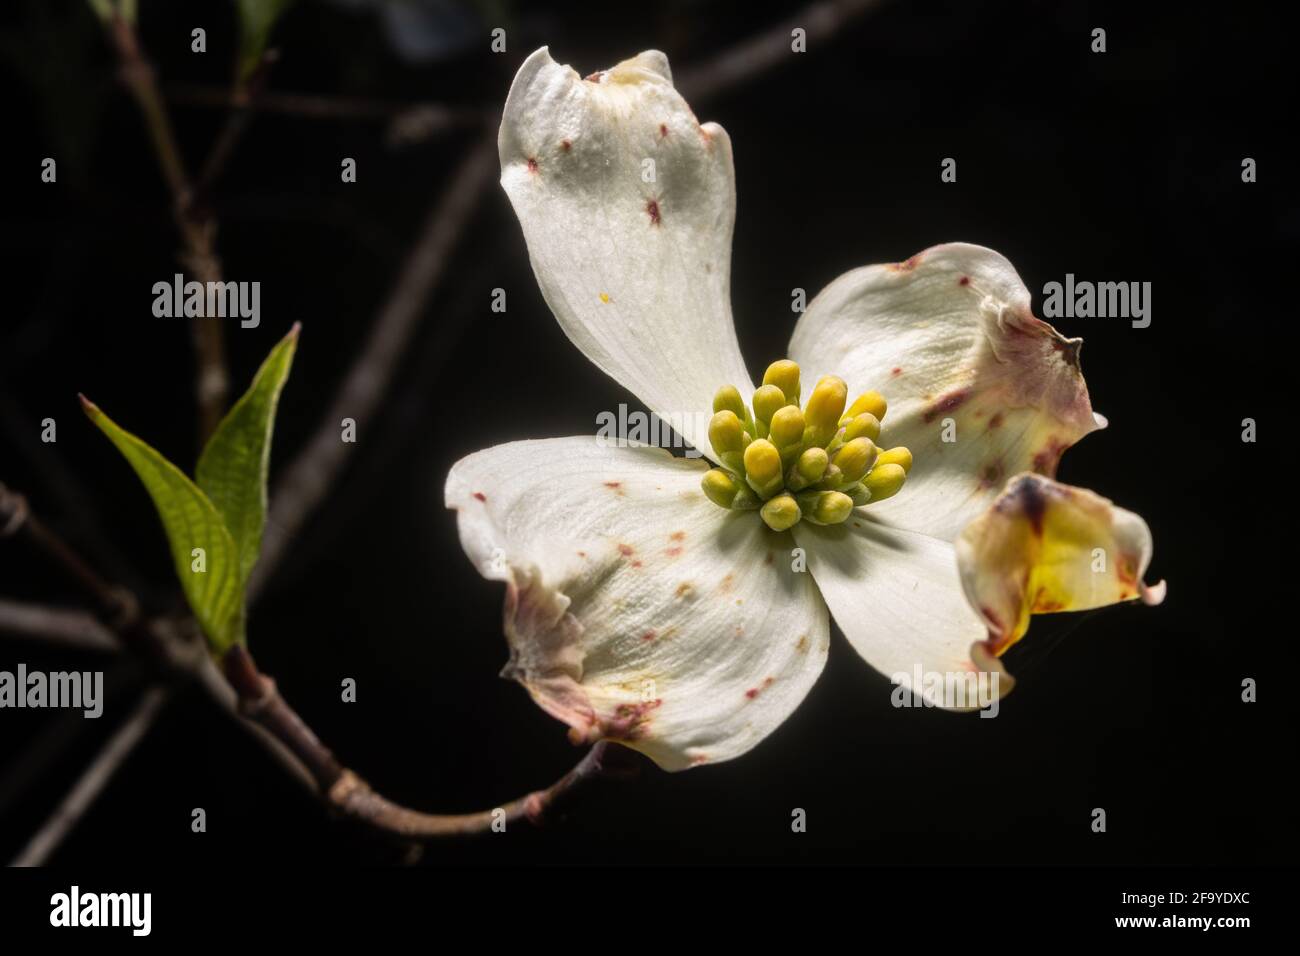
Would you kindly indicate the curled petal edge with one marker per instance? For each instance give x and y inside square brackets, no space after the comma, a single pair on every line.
[1043,547]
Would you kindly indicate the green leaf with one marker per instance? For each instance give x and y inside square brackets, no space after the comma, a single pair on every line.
[256,19]
[191,521]
[232,469]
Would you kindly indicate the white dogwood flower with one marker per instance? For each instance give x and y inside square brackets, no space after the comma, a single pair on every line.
[682,609]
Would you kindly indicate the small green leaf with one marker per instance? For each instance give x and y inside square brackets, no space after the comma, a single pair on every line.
[191,521]
[256,19]
[232,469]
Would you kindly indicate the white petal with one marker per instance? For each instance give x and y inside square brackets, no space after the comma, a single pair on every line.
[637,272]
[636,609]
[1043,547]
[949,335]
[897,597]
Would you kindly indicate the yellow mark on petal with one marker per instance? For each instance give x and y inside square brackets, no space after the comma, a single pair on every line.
[604,297]
[1044,547]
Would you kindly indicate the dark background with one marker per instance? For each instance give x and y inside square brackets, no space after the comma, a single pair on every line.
[1118,166]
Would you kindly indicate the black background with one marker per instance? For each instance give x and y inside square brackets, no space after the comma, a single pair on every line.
[1116,166]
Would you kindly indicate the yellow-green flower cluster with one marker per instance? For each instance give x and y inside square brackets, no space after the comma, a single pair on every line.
[816,463]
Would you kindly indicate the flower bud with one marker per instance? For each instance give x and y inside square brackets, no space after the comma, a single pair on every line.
[781,512]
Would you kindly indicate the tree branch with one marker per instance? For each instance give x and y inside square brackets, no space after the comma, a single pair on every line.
[241,100]
[747,59]
[93,780]
[197,228]
[62,484]
[256,698]
[118,605]
[354,798]
[405,120]
[309,477]
[159,641]
[349,795]
[56,625]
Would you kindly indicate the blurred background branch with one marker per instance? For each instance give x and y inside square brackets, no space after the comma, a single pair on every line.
[768,49]
[93,779]
[193,220]
[256,699]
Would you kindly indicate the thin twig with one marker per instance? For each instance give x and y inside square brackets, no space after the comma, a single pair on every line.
[256,698]
[41,752]
[196,226]
[118,605]
[354,798]
[349,795]
[78,629]
[159,641]
[56,625]
[308,479]
[242,101]
[93,780]
[406,122]
[43,748]
[316,106]
[746,60]
[214,682]
[62,484]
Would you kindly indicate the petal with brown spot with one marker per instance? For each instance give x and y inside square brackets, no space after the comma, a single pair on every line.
[1043,547]
[631,643]
[636,273]
[976,384]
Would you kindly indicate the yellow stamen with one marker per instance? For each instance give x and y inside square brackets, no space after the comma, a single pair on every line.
[727,399]
[786,432]
[763,468]
[767,400]
[823,411]
[865,425]
[817,463]
[781,512]
[855,459]
[872,403]
[884,481]
[720,487]
[809,468]
[896,456]
[826,507]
